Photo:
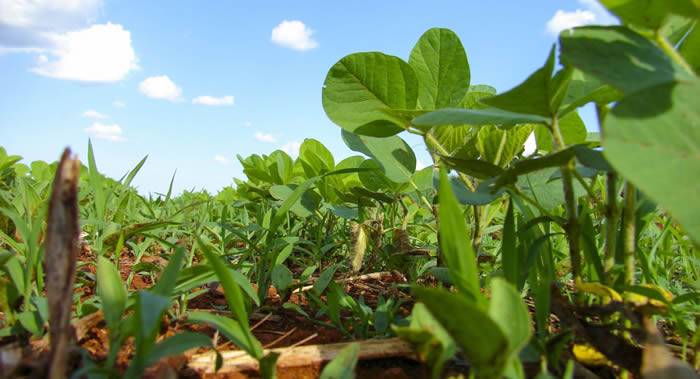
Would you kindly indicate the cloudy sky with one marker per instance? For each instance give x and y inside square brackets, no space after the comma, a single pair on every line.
[194,83]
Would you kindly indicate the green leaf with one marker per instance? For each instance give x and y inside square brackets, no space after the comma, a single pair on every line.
[281,277]
[653,139]
[394,155]
[324,279]
[572,129]
[176,345]
[232,330]
[111,292]
[287,205]
[473,167]
[268,365]
[168,277]
[452,141]
[651,13]
[533,96]
[509,311]
[232,292]
[429,339]
[364,92]
[482,196]
[245,285]
[585,88]
[468,323]
[546,188]
[527,166]
[619,57]
[477,117]
[499,146]
[305,206]
[315,158]
[149,311]
[373,178]
[477,92]
[441,65]
[343,365]
[455,245]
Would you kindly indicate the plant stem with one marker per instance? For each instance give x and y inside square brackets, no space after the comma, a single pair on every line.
[611,210]
[611,214]
[572,228]
[441,149]
[478,227]
[672,52]
[629,230]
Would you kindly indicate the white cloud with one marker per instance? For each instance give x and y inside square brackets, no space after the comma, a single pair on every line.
[45,14]
[265,137]
[91,113]
[221,159]
[291,148]
[294,35]
[564,20]
[110,132]
[213,101]
[593,14]
[160,87]
[100,53]
[530,145]
[118,104]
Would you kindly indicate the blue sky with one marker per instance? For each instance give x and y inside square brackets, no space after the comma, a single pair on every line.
[194,83]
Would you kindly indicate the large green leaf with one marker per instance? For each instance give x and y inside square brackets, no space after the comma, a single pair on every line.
[619,57]
[477,334]
[476,117]
[651,13]
[533,96]
[394,155]
[655,143]
[441,65]
[364,92]
[455,245]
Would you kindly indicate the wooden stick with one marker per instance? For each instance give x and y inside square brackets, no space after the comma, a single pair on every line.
[297,359]
[62,249]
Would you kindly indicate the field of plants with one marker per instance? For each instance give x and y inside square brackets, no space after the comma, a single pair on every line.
[577,261]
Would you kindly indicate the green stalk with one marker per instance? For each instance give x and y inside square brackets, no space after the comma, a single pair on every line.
[629,233]
[477,231]
[611,210]
[672,52]
[573,231]
[612,215]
